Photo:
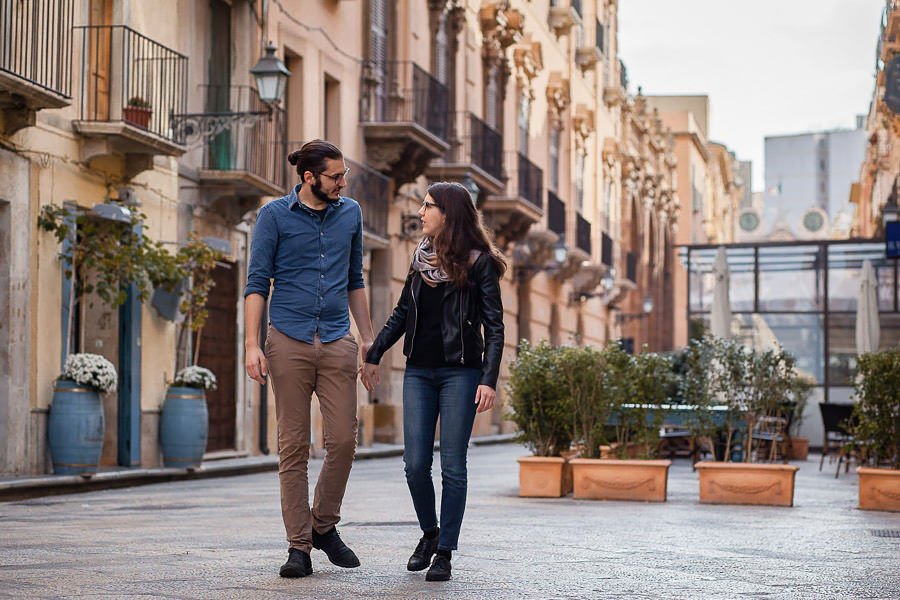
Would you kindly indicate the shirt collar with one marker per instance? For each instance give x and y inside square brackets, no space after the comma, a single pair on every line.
[295,199]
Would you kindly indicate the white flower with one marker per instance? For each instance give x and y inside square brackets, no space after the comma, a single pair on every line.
[91,369]
[195,377]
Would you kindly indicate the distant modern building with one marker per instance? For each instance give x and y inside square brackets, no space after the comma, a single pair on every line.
[808,182]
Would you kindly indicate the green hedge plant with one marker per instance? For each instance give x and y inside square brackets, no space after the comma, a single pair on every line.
[877,410]
[539,399]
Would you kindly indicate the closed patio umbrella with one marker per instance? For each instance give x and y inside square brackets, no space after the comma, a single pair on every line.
[867,326]
[720,318]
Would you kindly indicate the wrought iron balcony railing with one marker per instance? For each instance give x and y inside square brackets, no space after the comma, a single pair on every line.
[239,132]
[36,43]
[606,250]
[372,190]
[556,214]
[127,77]
[631,265]
[404,92]
[526,179]
[583,234]
[483,145]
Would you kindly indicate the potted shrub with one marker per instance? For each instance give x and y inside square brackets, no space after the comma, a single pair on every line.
[540,409]
[76,424]
[137,112]
[618,398]
[794,409]
[877,432]
[750,385]
[184,422]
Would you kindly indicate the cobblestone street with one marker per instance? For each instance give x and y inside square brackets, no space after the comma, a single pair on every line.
[223,538]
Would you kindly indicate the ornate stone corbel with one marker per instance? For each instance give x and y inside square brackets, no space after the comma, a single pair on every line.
[557,94]
[528,61]
[534,250]
[582,125]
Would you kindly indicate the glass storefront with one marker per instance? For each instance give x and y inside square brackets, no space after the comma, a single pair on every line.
[801,296]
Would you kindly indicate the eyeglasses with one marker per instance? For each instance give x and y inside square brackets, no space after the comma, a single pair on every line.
[337,178]
[426,205]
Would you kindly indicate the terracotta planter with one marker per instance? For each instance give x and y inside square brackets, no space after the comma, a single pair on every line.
[799,448]
[610,479]
[879,489]
[541,477]
[137,115]
[746,483]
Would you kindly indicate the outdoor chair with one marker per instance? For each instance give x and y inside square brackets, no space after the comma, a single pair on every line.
[770,438]
[837,420]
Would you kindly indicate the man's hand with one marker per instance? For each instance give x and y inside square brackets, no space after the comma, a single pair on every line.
[369,375]
[484,398]
[255,361]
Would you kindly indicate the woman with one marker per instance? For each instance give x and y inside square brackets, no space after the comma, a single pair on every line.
[452,291]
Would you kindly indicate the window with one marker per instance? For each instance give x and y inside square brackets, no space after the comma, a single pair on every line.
[492,96]
[579,182]
[440,51]
[524,110]
[378,52]
[332,106]
[607,205]
[554,158]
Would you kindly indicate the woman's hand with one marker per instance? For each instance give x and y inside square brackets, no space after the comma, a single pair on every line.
[369,375]
[484,398]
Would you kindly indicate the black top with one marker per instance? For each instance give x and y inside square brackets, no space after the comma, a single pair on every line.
[428,347]
[320,211]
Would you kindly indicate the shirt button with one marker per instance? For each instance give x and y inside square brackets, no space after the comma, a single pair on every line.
[322,255]
[322,276]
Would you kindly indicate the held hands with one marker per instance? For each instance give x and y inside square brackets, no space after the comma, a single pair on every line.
[484,398]
[369,375]
[255,362]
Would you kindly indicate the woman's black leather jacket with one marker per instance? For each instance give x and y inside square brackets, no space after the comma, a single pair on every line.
[463,314]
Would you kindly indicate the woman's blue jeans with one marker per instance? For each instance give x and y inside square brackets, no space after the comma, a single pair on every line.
[448,392]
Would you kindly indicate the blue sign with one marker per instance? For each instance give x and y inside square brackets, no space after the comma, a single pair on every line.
[892,239]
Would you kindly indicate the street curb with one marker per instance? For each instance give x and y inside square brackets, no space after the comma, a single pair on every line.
[55,485]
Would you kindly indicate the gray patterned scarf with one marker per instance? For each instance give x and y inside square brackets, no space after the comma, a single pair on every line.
[425,261]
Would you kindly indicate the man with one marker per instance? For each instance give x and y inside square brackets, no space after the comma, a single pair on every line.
[310,243]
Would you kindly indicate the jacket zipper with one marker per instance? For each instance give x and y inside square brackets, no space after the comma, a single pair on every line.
[415,316]
[462,337]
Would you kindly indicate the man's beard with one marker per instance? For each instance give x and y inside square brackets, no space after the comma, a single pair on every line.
[316,189]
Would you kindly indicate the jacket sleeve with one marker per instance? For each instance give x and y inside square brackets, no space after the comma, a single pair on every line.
[487,279]
[394,328]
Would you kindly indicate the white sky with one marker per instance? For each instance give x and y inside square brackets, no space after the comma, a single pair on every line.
[769,67]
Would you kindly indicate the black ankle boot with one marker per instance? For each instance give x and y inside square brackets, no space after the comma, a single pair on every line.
[298,564]
[421,557]
[332,544]
[440,568]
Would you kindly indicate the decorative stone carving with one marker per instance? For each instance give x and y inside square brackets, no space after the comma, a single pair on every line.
[582,125]
[528,62]
[557,94]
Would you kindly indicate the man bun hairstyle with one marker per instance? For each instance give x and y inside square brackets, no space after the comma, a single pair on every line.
[312,156]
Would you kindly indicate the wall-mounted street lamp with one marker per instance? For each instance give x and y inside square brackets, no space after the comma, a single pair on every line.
[271,76]
[646,305]
[471,187]
[559,254]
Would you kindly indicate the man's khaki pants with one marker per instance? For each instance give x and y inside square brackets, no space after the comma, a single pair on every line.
[298,369]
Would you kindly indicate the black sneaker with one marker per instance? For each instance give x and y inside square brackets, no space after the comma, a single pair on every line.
[332,544]
[298,564]
[440,569]
[421,557]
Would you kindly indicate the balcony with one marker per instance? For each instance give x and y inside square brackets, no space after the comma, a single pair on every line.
[564,16]
[556,214]
[244,149]
[131,87]
[478,153]
[606,250]
[512,212]
[583,234]
[404,116]
[35,59]
[631,267]
[373,192]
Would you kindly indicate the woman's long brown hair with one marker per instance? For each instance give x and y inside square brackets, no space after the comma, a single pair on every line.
[463,232]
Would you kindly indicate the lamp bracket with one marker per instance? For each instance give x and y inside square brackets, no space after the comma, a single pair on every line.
[195,130]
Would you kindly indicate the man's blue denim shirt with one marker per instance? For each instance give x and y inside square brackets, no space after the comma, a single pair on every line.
[314,263]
